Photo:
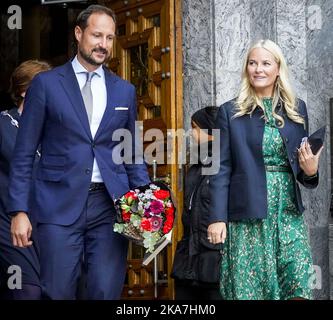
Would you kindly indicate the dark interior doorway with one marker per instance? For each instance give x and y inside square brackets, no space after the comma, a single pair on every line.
[46,34]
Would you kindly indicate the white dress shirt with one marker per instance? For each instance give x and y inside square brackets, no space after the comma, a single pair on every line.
[98,89]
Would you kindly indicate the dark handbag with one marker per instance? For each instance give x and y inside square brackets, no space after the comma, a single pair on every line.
[316,140]
[209,260]
[182,268]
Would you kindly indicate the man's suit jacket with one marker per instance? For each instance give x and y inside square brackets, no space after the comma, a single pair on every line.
[238,191]
[55,117]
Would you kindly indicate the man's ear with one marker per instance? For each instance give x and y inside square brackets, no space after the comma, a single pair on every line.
[78,33]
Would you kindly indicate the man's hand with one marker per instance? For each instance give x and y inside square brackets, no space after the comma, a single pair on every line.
[217,232]
[21,230]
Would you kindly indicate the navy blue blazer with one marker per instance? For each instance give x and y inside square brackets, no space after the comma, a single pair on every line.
[238,191]
[26,258]
[54,116]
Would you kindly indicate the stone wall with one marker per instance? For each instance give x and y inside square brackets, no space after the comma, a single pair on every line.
[228,28]
[319,86]
[199,56]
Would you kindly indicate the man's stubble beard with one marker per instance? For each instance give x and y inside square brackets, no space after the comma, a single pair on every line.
[89,59]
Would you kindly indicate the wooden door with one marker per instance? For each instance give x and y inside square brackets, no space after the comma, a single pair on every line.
[147,52]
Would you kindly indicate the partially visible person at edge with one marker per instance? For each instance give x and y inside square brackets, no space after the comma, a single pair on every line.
[196,262]
[263,158]
[25,258]
[72,111]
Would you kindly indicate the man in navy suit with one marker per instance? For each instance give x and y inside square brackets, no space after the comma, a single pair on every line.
[72,113]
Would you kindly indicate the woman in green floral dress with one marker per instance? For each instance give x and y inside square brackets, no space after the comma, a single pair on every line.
[266,250]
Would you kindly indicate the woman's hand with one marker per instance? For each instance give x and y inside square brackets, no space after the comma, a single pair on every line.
[307,160]
[217,232]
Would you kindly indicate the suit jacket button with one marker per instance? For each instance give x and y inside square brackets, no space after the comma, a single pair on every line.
[93,145]
[88,171]
[287,140]
[291,161]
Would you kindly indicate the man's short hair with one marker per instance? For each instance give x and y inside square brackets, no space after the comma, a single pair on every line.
[82,19]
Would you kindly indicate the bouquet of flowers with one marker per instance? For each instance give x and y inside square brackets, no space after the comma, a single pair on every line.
[145,215]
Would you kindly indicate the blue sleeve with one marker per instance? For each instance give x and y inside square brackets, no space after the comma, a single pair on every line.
[301,177]
[219,183]
[27,141]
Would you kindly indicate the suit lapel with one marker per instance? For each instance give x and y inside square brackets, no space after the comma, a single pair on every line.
[72,89]
[111,91]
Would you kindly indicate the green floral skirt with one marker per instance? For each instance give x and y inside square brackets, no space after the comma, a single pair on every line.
[269,258]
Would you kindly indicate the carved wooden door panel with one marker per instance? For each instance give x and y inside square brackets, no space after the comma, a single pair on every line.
[144,53]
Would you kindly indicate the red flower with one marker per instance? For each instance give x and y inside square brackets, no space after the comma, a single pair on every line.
[126,215]
[167,225]
[161,194]
[130,196]
[145,224]
[169,212]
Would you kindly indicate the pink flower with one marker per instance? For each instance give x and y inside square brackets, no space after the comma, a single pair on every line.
[156,207]
[156,223]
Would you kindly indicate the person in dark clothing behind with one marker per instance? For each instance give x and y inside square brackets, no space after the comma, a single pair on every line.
[196,263]
[25,258]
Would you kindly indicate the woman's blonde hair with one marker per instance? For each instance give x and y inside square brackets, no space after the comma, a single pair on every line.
[248,100]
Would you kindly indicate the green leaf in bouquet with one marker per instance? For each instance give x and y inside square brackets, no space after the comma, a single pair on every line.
[141,209]
[125,207]
[150,239]
[134,207]
[118,227]
[135,220]
[130,200]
